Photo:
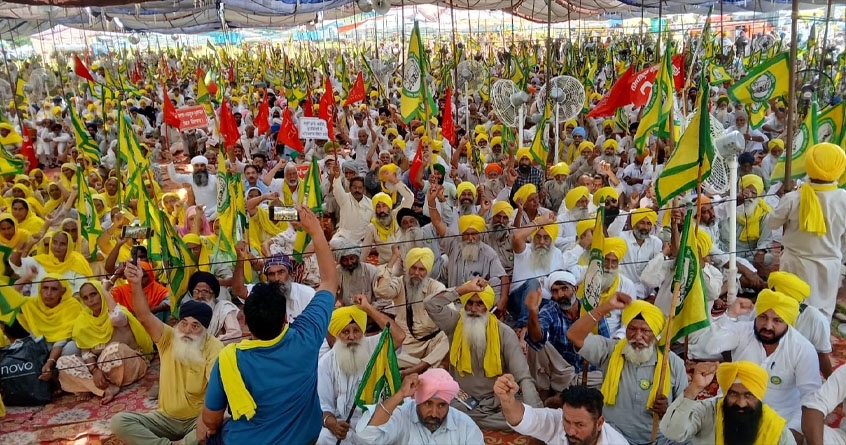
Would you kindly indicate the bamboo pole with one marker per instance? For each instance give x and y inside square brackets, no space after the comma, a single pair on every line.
[791,99]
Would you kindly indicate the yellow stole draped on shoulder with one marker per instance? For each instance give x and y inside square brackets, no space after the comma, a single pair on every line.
[288,196]
[90,331]
[54,323]
[811,218]
[460,354]
[769,430]
[262,228]
[384,232]
[241,402]
[611,383]
[752,223]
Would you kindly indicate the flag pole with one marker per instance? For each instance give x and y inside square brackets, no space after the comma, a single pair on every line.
[791,99]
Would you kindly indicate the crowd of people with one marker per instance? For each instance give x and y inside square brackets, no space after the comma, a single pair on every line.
[472,254]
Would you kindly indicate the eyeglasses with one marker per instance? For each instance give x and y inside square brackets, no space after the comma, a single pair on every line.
[203,292]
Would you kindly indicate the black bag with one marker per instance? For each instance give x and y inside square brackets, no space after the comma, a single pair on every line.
[20,366]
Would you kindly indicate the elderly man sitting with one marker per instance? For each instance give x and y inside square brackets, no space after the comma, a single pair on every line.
[739,416]
[632,366]
[482,348]
[425,418]
[354,276]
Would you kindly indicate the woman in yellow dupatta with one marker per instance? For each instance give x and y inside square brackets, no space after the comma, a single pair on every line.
[174,208]
[110,192]
[10,237]
[60,259]
[55,198]
[26,219]
[21,191]
[261,227]
[37,179]
[68,176]
[114,347]
[10,139]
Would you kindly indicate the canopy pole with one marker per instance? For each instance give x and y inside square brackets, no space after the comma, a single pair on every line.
[825,35]
[791,99]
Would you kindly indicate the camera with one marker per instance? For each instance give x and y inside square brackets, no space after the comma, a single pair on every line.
[278,214]
[136,232]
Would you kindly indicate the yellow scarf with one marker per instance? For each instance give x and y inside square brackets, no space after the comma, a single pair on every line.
[111,200]
[460,353]
[204,261]
[241,402]
[611,383]
[384,233]
[31,223]
[752,223]
[90,331]
[811,218]
[55,323]
[74,261]
[768,431]
[288,196]
[19,236]
[261,228]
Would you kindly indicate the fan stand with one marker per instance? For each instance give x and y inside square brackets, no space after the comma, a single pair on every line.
[732,271]
[556,134]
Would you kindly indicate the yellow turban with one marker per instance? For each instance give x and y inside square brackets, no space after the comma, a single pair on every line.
[471,222]
[496,128]
[571,123]
[524,153]
[650,313]
[386,169]
[460,355]
[583,226]
[560,168]
[642,213]
[789,284]
[464,186]
[752,181]
[480,129]
[751,375]
[343,316]
[825,162]
[614,245]
[496,140]
[502,206]
[785,307]
[603,194]
[610,143]
[399,143]
[422,254]
[586,145]
[607,123]
[383,198]
[481,137]
[419,130]
[391,131]
[777,142]
[524,192]
[703,243]
[575,195]
[550,229]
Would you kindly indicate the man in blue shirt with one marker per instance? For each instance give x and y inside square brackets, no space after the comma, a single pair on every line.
[270,384]
[548,323]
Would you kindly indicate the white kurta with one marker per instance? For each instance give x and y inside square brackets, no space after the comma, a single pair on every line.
[792,381]
[404,427]
[353,215]
[547,425]
[636,258]
[694,422]
[205,195]
[831,394]
[815,259]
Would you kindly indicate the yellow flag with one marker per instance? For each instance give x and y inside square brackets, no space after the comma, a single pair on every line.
[802,142]
[414,80]
[691,310]
[763,82]
[831,125]
[540,144]
[659,109]
[381,377]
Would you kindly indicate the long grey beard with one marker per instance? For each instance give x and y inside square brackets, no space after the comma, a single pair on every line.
[414,238]
[541,258]
[470,251]
[350,359]
[386,220]
[467,209]
[608,279]
[475,331]
[638,356]
[558,187]
[188,349]
[414,292]
[201,179]
[579,213]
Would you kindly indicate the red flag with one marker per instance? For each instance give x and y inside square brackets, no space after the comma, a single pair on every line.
[262,119]
[416,166]
[447,124]
[308,106]
[169,111]
[288,133]
[618,97]
[327,101]
[80,69]
[231,76]
[136,76]
[28,149]
[228,127]
[357,92]
[641,82]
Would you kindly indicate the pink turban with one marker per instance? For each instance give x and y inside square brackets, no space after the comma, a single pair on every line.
[436,382]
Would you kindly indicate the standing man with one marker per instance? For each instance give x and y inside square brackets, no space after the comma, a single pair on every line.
[814,221]
[239,378]
[203,183]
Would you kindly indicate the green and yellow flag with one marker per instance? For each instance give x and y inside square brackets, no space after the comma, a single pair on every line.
[694,154]
[89,224]
[415,99]
[691,311]
[231,209]
[20,93]
[203,96]
[719,75]
[84,142]
[590,291]
[831,125]
[313,196]
[381,378]
[803,139]
[763,82]
[757,114]
[540,145]
[659,109]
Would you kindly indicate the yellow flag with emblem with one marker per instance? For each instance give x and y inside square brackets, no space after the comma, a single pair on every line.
[412,103]
[659,109]
[803,139]
[763,82]
[540,145]
[691,310]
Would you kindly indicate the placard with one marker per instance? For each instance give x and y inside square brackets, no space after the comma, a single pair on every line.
[313,128]
[193,117]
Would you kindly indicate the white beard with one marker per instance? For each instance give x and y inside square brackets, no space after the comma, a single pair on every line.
[470,251]
[475,330]
[414,291]
[351,359]
[749,205]
[467,209]
[414,236]
[389,186]
[579,213]
[188,349]
[608,279]
[638,356]
[541,258]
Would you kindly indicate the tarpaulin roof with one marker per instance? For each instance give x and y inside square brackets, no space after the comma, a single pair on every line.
[25,17]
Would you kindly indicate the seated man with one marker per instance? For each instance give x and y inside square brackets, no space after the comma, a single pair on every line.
[631,365]
[240,378]
[739,416]
[815,409]
[340,370]
[425,345]
[425,418]
[187,354]
[355,277]
[481,349]
[580,420]
[115,348]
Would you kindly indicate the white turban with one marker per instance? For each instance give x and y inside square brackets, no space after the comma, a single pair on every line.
[199,160]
